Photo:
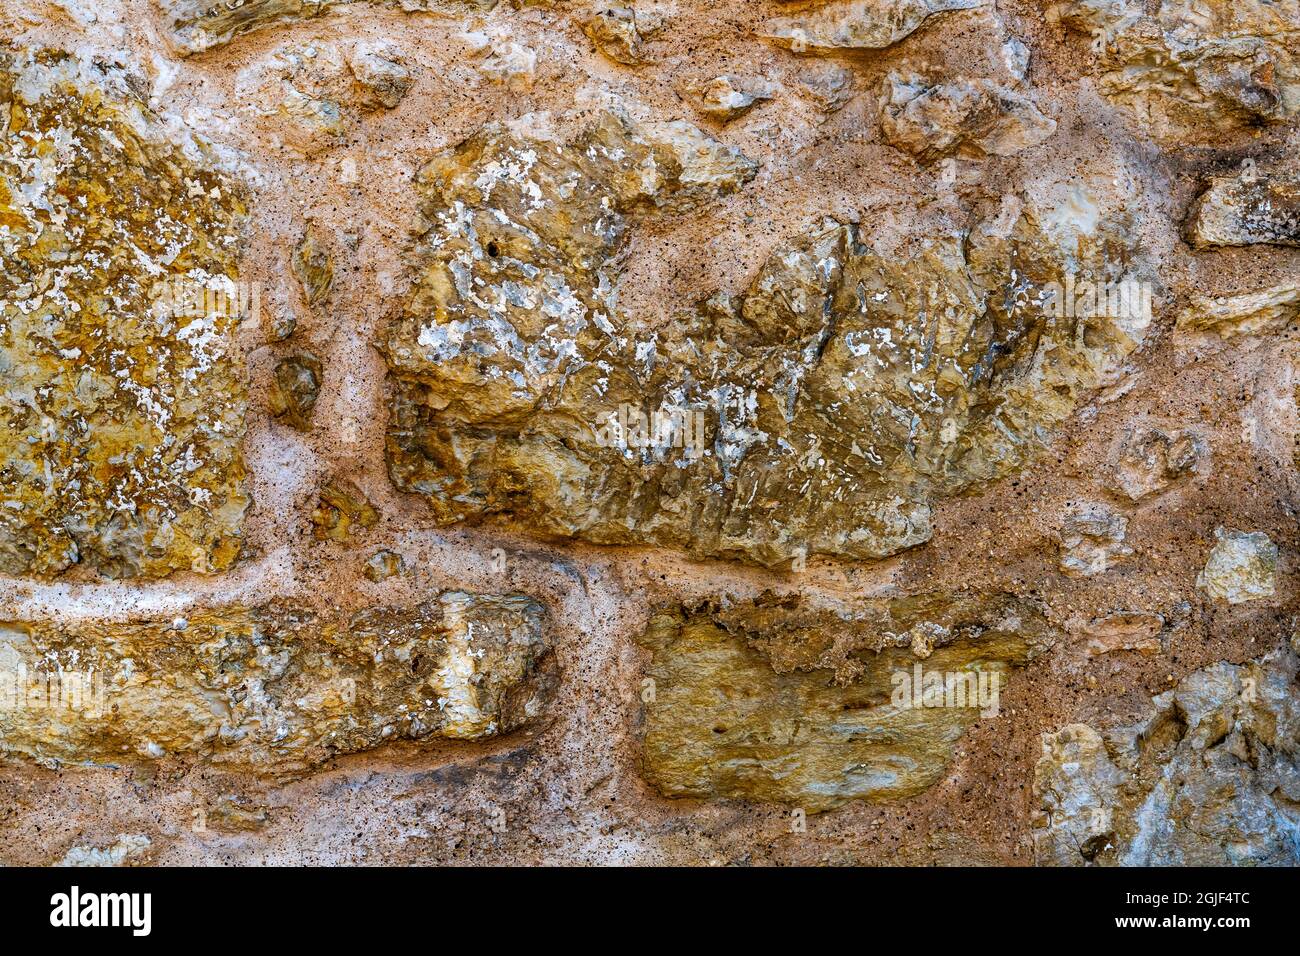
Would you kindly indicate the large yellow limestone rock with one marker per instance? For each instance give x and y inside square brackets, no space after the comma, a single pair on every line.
[1208,777]
[774,701]
[273,689]
[121,403]
[819,413]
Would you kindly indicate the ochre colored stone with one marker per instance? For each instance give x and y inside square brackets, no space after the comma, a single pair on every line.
[775,701]
[274,689]
[314,267]
[342,511]
[858,24]
[294,387]
[198,25]
[817,414]
[122,402]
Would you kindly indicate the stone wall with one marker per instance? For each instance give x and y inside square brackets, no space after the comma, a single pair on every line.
[545,431]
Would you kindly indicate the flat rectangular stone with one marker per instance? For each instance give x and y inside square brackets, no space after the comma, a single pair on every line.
[273,689]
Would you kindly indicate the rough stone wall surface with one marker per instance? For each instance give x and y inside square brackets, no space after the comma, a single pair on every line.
[729,432]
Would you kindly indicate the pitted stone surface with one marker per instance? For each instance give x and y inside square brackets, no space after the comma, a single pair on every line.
[771,701]
[1194,69]
[1207,777]
[804,362]
[122,402]
[833,400]
[276,690]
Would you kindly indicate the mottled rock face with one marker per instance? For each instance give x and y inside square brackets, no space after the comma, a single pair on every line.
[1150,460]
[818,413]
[380,75]
[384,564]
[858,24]
[618,33]
[295,389]
[725,98]
[343,512]
[1092,540]
[1248,313]
[122,403]
[1194,68]
[1242,567]
[775,701]
[273,689]
[198,25]
[1125,631]
[1208,777]
[963,116]
[1244,210]
[314,267]
[615,431]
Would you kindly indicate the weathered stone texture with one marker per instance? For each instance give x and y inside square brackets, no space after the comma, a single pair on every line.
[343,511]
[294,389]
[858,24]
[1208,777]
[1194,69]
[1092,540]
[887,410]
[1247,313]
[774,701]
[725,98]
[198,25]
[1244,210]
[1151,460]
[962,116]
[1242,567]
[122,405]
[276,690]
[832,401]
